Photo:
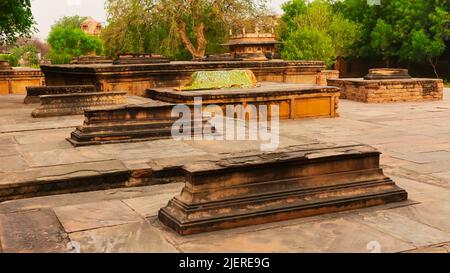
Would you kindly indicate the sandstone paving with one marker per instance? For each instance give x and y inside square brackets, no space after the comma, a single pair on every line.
[95,215]
[414,139]
[32,231]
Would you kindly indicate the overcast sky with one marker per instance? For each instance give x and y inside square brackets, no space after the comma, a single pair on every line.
[46,12]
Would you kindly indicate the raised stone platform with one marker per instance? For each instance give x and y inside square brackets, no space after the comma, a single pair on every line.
[389,90]
[130,123]
[260,188]
[136,78]
[33,92]
[140,58]
[15,81]
[76,104]
[294,100]
[387,74]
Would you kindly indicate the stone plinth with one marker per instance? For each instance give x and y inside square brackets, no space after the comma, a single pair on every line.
[294,100]
[33,92]
[130,123]
[140,58]
[15,81]
[135,79]
[92,60]
[262,188]
[387,74]
[381,91]
[76,104]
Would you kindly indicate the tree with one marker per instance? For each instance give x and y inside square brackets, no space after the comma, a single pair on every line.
[309,44]
[16,19]
[177,29]
[314,30]
[195,15]
[131,27]
[401,30]
[26,55]
[67,40]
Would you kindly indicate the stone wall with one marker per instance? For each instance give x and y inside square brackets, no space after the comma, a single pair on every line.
[325,75]
[15,81]
[382,91]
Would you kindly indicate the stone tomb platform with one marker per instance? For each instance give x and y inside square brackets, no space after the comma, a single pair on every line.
[15,80]
[136,78]
[130,123]
[77,103]
[294,100]
[261,188]
[33,92]
[389,85]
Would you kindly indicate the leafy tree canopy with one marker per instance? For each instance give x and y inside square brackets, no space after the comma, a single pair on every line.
[67,40]
[316,31]
[16,19]
[178,29]
[400,30]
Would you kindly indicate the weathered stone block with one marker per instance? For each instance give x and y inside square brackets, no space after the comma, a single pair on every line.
[129,123]
[135,79]
[260,188]
[399,90]
[294,100]
[15,81]
[76,104]
[33,92]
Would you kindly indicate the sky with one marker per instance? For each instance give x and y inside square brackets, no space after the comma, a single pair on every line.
[47,12]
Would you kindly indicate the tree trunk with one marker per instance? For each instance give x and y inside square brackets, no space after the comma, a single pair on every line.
[201,40]
[434,65]
[196,52]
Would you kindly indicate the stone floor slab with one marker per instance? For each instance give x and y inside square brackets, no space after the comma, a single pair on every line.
[95,215]
[148,206]
[34,231]
[138,237]
[402,227]
[335,235]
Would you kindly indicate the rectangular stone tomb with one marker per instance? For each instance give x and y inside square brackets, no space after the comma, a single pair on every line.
[131,123]
[76,104]
[33,92]
[294,100]
[262,188]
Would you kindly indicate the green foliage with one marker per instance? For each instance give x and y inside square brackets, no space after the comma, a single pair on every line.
[13,61]
[16,19]
[69,22]
[67,40]
[309,44]
[316,31]
[400,30]
[27,53]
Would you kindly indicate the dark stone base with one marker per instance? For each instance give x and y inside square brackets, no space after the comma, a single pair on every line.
[33,92]
[257,189]
[76,104]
